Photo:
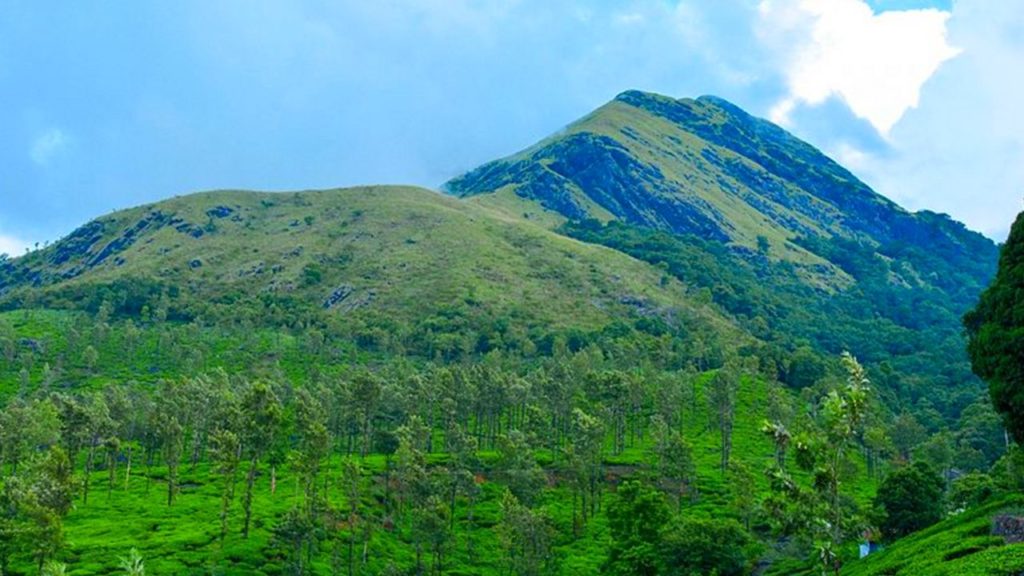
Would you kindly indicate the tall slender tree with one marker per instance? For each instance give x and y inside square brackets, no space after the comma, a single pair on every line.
[262,414]
[722,401]
[226,452]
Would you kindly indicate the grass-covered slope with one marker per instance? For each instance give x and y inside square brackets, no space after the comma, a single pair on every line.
[408,257]
[963,545]
[183,538]
[708,168]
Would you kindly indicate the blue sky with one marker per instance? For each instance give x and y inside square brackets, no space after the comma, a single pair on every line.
[105,105]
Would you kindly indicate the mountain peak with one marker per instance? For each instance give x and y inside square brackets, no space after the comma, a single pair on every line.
[704,167]
[641,97]
[632,95]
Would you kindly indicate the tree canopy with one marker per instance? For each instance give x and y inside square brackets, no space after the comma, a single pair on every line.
[996,331]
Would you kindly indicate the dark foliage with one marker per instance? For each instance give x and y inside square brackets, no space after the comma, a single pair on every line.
[996,329]
[912,498]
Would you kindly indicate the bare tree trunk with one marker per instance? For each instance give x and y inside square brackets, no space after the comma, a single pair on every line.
[128,469]
[112,472]
[247,498]
[88,472]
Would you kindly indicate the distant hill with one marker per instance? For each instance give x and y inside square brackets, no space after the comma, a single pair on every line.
[408,261]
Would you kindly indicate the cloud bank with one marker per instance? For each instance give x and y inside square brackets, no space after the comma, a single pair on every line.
[962,150]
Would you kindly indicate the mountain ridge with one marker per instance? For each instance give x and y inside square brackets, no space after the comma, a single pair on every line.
[704,127]
[786,240]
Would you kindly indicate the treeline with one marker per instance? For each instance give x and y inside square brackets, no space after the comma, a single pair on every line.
[243,429]
[456,332]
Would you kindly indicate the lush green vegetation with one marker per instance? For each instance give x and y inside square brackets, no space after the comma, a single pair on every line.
[399,270]
[909,334]
[652,376]
[995,327]
[962,545]
[777,237]
[529,447]
[911,499]
[507,409]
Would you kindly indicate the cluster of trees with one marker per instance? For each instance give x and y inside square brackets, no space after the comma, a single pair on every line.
[243,430]
[823,449]
[75,349]
[996,340]
[446,433]
[648,540]
[458,331]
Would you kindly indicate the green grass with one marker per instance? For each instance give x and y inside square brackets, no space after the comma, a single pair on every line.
[962,545]
[686,175]
[412,249]
[405,264]
[183,537]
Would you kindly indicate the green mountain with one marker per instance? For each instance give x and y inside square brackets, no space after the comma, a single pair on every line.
[786,240]
[396,381]
[708,168]
[430,271]
[788,246]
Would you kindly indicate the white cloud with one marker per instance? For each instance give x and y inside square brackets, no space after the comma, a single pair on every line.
[46,145]
[962,150]
[629,18]
[12,246]
[851,157]
[875,63]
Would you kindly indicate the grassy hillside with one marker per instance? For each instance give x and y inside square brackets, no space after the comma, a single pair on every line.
[708,168]
[430,271]
[963,545]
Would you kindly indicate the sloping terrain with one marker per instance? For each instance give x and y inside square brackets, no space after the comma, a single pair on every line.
[785,240]
[708,168]
[420,261]
[963,545]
